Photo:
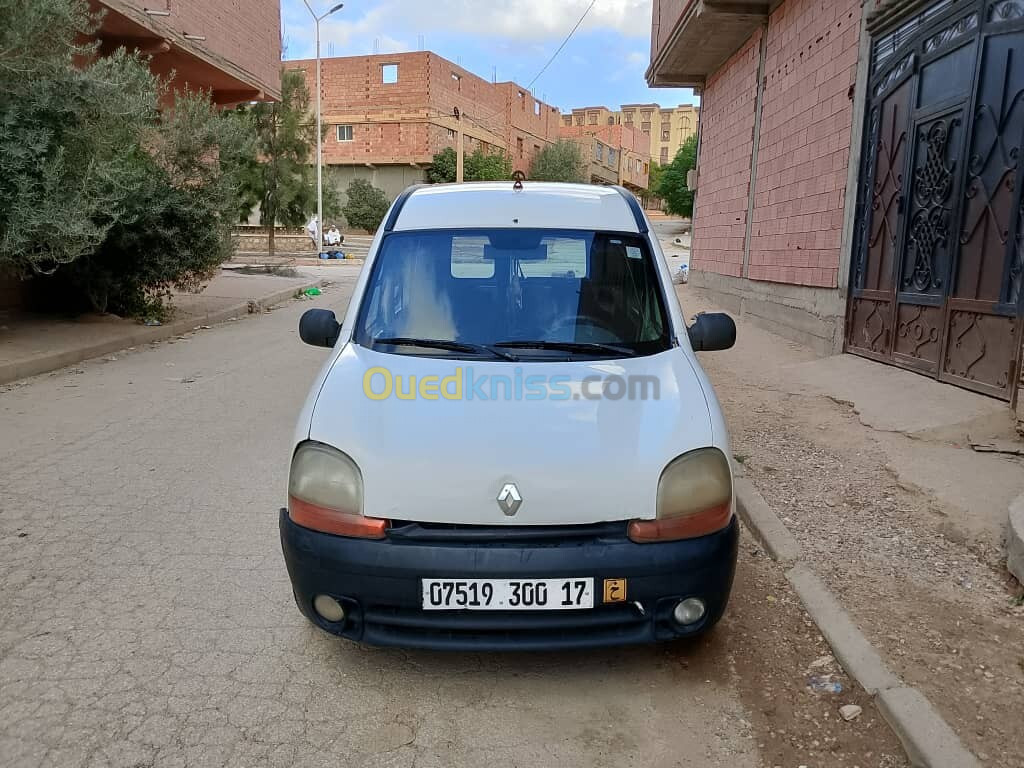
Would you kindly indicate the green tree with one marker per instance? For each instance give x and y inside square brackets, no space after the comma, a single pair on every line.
[672,184]
[174,228]
[280,177]
[654,179]
[487,166]
[442,167]
[105,202]
[70,135]
[478,166]
[561,161]
[366,206]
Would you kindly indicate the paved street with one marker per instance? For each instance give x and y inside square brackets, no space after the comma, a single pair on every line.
[146,616]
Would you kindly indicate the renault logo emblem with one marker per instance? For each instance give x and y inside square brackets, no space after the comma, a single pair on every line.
[509,499]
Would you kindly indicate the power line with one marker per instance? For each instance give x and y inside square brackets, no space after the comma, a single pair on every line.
[567,38]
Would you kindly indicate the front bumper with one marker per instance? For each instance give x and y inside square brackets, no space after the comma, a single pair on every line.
[378,583]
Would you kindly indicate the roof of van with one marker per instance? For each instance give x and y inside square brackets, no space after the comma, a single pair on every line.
[496,204]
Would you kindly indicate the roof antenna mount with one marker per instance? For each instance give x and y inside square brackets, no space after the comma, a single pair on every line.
[519,177]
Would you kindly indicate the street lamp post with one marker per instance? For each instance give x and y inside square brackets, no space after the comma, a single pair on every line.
[319,132]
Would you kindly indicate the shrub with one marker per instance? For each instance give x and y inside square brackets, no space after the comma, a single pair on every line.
[366,206]
[561,161]
[104,202]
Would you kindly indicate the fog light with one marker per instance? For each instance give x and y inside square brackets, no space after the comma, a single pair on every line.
[330,609]
[689,611]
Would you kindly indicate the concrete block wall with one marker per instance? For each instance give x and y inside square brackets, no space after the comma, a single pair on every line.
[804,147]
[727,115]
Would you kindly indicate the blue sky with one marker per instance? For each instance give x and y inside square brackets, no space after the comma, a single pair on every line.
[604,62]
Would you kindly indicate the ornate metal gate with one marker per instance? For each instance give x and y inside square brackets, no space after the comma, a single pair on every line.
[938,253]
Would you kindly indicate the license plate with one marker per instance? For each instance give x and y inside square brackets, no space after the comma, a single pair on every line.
[507,594]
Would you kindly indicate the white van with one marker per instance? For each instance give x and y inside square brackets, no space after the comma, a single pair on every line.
[512,444]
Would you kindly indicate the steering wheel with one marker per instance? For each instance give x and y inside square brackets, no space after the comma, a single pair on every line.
[573,322]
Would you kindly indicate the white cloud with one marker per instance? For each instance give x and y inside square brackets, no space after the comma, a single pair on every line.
[520,20]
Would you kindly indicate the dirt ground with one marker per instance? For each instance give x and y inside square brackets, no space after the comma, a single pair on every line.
[938,604]
[774,651]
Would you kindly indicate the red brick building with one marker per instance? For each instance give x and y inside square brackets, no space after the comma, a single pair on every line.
[389,114]
[629,162]
[230,48]
[856,173]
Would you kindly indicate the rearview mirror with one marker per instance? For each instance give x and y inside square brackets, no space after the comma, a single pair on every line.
[319,327]
[712,331]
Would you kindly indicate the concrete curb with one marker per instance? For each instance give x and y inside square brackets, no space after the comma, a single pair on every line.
[766,526]
[927,739]
[1015,539]
[850,646]
[22,369]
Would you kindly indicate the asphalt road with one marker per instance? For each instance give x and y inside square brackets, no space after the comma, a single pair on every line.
[146,617]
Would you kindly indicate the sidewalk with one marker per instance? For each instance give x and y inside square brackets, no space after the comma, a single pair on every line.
[32,344]
[872,471]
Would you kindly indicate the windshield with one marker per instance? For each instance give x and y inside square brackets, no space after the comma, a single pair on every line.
[527,293]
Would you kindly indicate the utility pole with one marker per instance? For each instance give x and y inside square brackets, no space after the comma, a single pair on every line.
[460,149]
[319,132]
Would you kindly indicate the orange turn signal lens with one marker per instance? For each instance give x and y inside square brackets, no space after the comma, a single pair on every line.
[689,527]
[332,521]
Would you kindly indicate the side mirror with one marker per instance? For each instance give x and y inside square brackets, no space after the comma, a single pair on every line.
[712,331]
[319,327]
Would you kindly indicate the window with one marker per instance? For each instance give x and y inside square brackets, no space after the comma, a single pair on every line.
[496,286]
[344,133]
[389,73]
[611,156]
[567,120]
[536,108]
[457,81]
[665,135]
[592,118]
[645,127]
[451,134]
[611,121]
[646,168]
[664,155]
[639,164]
[629,121]
[522,100]
[579,120]
[519,146]
[686,123]
[599,152]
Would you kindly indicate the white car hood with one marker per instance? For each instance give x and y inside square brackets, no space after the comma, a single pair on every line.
[573,460]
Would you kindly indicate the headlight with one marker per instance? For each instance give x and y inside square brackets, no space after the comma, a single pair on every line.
[694,498]
[325,493]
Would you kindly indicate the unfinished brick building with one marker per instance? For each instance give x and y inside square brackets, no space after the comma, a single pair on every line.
[389,114]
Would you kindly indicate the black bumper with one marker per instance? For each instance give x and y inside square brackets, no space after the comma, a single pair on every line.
[378,583]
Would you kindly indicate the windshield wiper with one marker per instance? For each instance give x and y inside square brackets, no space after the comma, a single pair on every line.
[571,346]
[451,346]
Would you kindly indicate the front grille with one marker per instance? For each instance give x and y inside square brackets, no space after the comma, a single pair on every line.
[505,630]
[406,530]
